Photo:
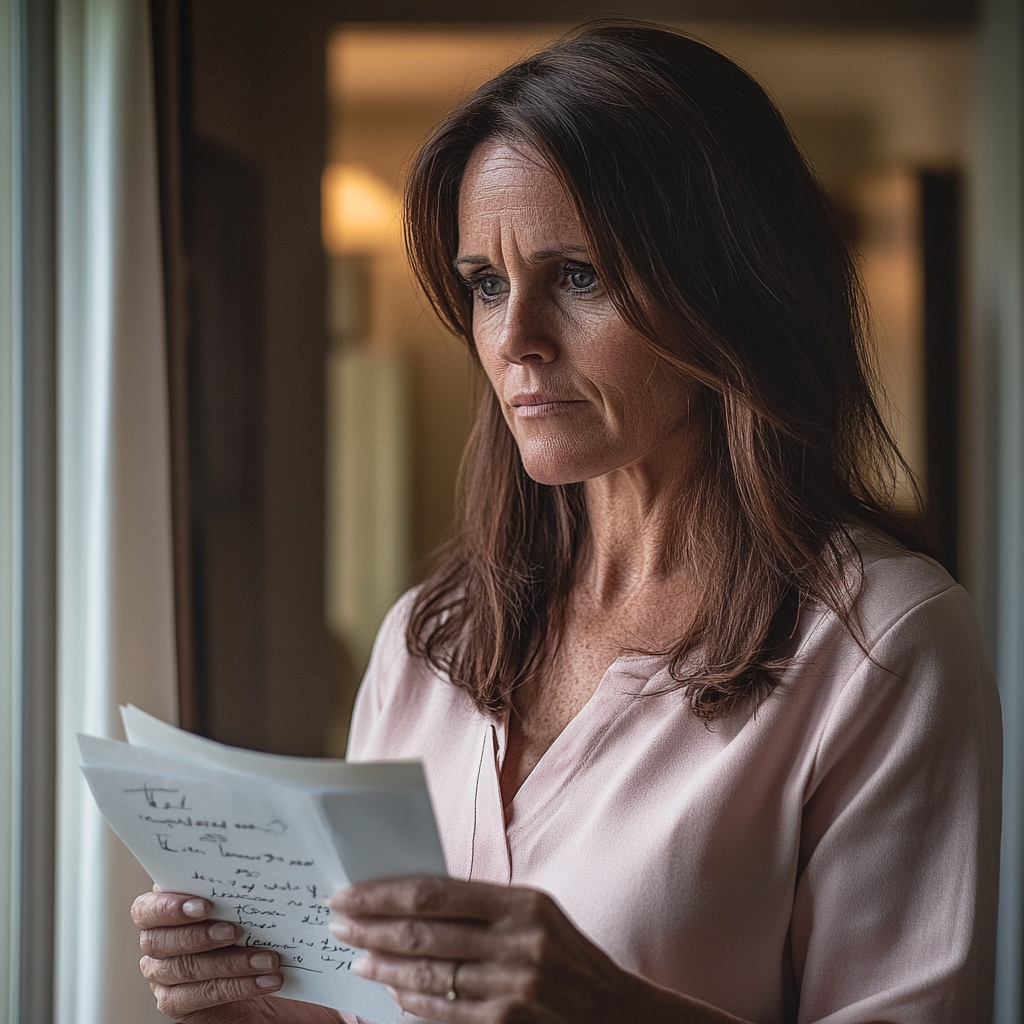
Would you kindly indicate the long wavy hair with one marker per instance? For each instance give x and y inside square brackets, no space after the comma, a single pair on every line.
[716,244]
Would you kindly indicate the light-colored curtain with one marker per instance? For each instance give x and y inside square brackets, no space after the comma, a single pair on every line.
[116,634]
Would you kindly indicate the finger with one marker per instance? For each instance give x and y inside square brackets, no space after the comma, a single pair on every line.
[433,977]
[452,940]
[467,1011]
[416,974]
[178,970]
[194,938]
[163,909]
[179,1000]
[431,896]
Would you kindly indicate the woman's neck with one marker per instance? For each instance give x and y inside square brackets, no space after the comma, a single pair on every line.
[637,517]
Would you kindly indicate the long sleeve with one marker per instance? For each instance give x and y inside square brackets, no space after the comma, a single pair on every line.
[894,915]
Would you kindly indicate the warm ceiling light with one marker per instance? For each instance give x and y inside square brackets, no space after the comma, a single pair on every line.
[358,213]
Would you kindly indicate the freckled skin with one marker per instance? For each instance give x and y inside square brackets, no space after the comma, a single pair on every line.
[616,417]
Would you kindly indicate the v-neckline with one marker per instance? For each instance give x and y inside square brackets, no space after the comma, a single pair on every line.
[626,676]
[497,834]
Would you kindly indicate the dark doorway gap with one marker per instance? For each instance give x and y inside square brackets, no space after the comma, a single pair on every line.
[940,249]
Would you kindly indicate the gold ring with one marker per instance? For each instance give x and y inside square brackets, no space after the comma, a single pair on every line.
[451,994]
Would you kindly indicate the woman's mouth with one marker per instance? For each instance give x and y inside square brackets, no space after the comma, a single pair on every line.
[533,404]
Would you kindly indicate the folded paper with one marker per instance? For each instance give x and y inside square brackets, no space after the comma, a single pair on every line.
[267,839]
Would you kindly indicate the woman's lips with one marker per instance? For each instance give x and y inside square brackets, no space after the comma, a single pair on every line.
[532,405]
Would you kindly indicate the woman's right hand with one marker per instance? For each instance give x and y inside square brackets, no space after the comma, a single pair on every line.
[199,975]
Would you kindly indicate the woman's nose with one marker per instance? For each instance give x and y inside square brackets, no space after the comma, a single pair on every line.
[528,334]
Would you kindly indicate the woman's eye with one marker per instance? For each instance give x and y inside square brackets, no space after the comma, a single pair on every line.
[490,286]
[582,278]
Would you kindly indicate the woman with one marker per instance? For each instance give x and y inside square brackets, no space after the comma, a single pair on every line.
[706,741]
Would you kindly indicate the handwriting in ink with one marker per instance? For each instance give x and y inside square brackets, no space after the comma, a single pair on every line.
[275,827]
[165,844]
[252,942]
[346,964]
[328,945]
[166,822]
[248,895]
[216,881]
[160,803]
[242,856]
[245,908]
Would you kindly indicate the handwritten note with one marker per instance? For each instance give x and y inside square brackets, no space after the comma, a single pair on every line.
[268,849]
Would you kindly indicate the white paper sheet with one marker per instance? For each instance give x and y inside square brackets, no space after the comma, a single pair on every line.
[267,839]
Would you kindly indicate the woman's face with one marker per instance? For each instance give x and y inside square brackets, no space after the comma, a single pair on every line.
[581,391]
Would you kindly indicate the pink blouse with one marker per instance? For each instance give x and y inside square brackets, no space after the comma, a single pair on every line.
[831,857]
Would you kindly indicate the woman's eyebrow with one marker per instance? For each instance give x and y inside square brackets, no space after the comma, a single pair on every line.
[548,254]
[537,256]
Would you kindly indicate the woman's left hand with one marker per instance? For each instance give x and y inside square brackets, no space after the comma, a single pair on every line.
[515,955]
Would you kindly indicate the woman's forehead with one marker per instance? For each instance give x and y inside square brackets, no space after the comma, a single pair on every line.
[510,187]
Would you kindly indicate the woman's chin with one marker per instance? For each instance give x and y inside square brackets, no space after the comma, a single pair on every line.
[555,471]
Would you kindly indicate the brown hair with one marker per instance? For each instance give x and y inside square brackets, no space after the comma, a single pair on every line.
[700,214]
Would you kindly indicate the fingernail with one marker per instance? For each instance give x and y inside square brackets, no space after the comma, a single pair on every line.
[393,992]
[221,931]
[261,961]
[268,981]
[362,967]
[194,908]
[342,928]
